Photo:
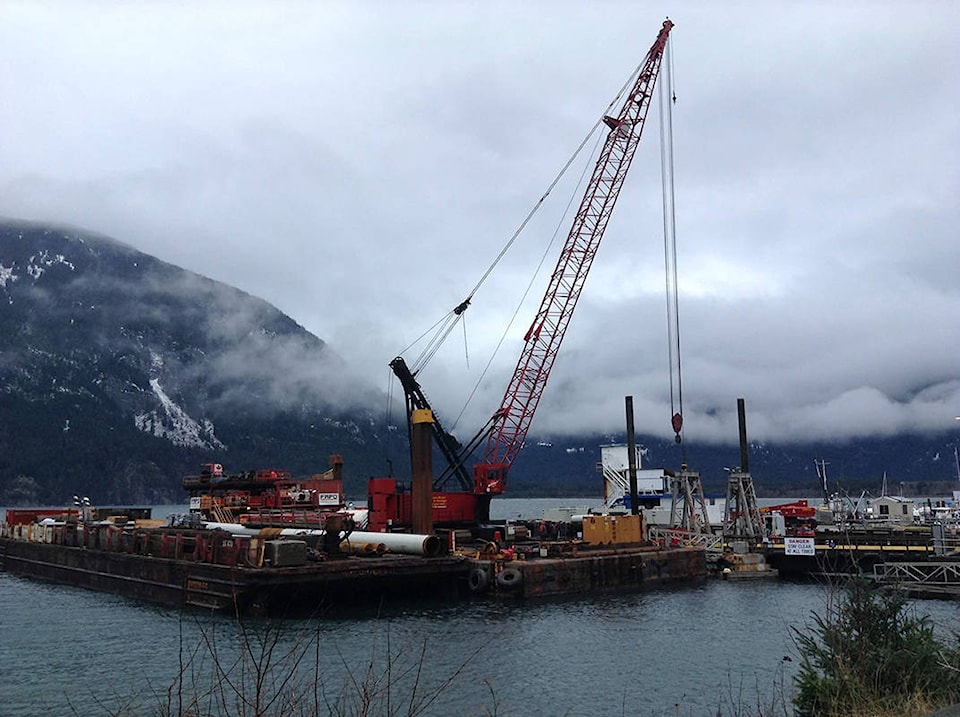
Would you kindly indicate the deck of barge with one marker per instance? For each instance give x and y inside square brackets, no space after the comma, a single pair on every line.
[327,586]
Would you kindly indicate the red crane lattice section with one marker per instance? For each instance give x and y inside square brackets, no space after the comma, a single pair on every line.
[543,338]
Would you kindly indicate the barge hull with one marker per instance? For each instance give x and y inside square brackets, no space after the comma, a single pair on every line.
[311,589]
[328,586]
[589,572]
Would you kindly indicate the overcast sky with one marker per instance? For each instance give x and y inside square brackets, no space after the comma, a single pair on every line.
[359,165]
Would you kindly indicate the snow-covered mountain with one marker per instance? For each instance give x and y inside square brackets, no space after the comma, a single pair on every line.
[119,373]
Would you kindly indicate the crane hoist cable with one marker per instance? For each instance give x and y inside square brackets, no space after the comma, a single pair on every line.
[386,419]
[443,327]
[667,99]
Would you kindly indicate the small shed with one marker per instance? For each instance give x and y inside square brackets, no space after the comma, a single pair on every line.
[894,508]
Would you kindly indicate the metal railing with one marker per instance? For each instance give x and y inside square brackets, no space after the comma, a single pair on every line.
[926,576]
[672,537]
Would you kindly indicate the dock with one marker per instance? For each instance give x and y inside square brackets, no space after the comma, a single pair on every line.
[922,561]
[936,579]
[853,551]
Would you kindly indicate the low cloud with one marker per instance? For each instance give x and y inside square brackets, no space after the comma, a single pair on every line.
[360,169]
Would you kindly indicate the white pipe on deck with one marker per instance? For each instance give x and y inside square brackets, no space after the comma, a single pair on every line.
[407,543]
[404,543]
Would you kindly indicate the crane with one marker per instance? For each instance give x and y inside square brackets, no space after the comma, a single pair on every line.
[543,338]
[505,432]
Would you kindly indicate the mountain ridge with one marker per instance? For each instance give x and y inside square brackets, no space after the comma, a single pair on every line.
[119,373]
[113,362]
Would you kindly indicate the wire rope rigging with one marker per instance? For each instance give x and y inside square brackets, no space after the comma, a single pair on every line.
[505,432]
[667,99]
[437,334]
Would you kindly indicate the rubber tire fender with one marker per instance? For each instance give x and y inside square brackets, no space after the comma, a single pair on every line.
[478,581]
[509,578]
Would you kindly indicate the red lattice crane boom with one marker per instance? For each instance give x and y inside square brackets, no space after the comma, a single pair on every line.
[543,338]
[507,429]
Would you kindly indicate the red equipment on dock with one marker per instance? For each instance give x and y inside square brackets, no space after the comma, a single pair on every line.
[799,518]
[266,495]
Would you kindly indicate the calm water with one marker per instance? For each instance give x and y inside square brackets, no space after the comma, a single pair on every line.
[69,651]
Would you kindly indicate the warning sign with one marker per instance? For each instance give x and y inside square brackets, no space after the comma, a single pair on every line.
[799,546]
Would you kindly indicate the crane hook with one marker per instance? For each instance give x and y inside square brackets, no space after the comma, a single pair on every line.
[677,423]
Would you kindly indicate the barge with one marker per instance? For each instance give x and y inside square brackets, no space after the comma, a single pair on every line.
[211,569]
[265,543]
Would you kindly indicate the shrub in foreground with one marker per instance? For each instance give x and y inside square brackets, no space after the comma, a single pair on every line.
[869,654]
